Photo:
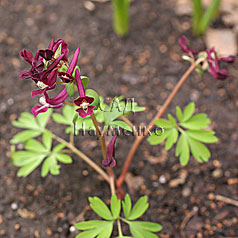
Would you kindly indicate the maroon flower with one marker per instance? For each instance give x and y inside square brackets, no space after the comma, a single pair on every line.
[183,42]
[36,72]
[46,84]
[48,53]
[214,64]
[110,160]
[46,102]
[83,101]
[211,61]
[67,76]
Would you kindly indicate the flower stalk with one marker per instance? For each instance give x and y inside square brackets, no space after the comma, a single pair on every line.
[139,139]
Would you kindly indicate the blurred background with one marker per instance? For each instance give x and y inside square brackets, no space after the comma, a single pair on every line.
[146,64]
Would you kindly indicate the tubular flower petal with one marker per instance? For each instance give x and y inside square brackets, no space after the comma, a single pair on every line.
[110,160]
[46,102]
[83,101]
[210,58]
[67,76]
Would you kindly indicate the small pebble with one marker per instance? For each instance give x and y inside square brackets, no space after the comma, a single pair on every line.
[14,206]
[72,229]
[162,179]
[10,101]
[186,192]
[217,173]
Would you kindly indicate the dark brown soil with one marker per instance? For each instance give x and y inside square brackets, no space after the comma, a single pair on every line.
[145,65]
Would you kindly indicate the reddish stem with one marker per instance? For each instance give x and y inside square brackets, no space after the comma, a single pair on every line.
[138,140]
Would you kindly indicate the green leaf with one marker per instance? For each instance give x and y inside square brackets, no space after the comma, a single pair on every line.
[202,135]
[172,120]
[163,123]
[171,138]
[106,231]
[93,94]
[121,124]
[179,113]
[36,146]
[24,136]
[59,147]
[89,233]
[22,158]
[126,205]
[197,15]
[199,151]
[208,16]
[43,118]
[73,74]
[47,139]
[115,206]
[149,226]
[139,209]
[101,229]
[60,119]
[198,121]
[50,165]
[188,111]
[28,168]
[85,81]
[155,139]
[100,208]
[182,149]
[63,158]
[70,88]
[26,121]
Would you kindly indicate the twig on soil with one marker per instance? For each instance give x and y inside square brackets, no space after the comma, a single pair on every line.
[186,220]
[223,199]
[83,157]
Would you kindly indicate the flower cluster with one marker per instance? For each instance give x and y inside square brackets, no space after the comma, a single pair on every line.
[50,65]
[211,61]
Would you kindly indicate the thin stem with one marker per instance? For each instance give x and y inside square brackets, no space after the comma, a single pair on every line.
[104,152]
[119,227]
[127,121]
[138,140]
[100,137]
[83,157]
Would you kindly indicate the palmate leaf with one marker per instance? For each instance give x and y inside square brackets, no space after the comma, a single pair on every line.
[33,126]
[144,229]
[190,139]
[126,205]
[92,229]
[139,209]
[100,208]
[36,153]
[115,206]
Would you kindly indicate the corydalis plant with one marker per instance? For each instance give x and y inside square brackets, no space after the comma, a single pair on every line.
[84,109]
[210,61]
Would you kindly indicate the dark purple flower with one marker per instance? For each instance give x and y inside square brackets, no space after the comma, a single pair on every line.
[214,64]
[184,46]
[48,53]
[67,76]
[83,101]
[36,72]
[46,84]
[110,160]
[211,61]
[46,102]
